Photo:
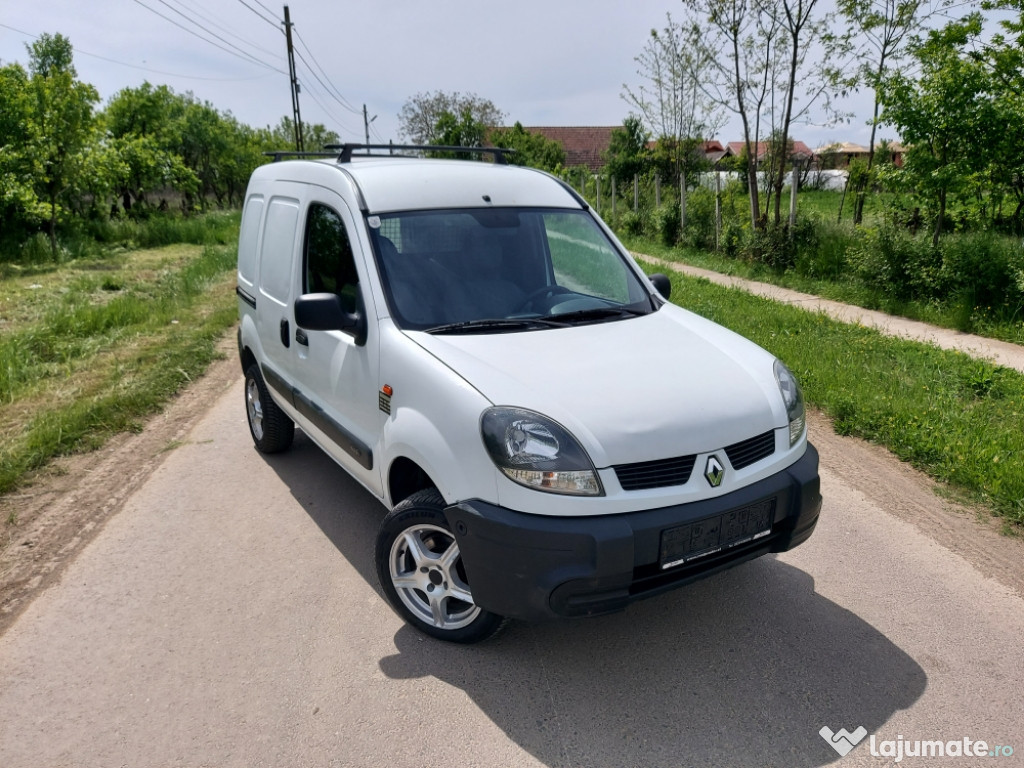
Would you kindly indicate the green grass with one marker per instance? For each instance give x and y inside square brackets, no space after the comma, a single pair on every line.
[959,419]
[838,285]
[92,347]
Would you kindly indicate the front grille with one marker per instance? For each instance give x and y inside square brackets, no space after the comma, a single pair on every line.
[655,474]
[746,452]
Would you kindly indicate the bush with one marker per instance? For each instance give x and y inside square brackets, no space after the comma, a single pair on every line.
[632,222]
[983,269]
[823,255]
[776,247]
[897,264]
[700,219]
[665,223]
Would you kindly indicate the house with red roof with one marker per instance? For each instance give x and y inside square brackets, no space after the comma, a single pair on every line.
[584,145]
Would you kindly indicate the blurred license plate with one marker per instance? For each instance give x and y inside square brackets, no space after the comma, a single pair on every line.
[706,537]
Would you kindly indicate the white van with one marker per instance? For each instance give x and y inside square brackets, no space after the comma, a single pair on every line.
[550,435]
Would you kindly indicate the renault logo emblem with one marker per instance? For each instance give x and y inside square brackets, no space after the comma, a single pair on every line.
[714,471]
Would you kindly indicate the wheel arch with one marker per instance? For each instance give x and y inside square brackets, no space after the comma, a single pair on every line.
[246,357]
[406,477]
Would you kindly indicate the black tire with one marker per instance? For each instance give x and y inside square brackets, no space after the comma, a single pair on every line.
[421,573]
[271,429]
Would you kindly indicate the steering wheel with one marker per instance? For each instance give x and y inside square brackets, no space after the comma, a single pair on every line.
[545,292]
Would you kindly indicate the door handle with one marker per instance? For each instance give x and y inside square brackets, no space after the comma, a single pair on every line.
[285,335]
[301,337]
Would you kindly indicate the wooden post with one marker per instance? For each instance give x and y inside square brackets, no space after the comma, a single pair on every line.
[597,182]
[613,197]
[794,184]
[718,210]
[636,192]
[657,190]
[682,201]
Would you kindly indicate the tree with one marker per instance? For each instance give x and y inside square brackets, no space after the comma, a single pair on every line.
[801,29]
[767,76]
[670,98]
[143,127]
[418,120]
[20,207]
[531,149]
[627,155]
[879,30]
[742,79]
[1004,56]
[460,130]
[949,117]
[60,122]
[316,136]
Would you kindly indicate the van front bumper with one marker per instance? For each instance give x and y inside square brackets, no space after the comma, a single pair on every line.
[535,567]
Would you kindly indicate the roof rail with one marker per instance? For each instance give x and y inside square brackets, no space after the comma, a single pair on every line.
[282,154]
[347,150]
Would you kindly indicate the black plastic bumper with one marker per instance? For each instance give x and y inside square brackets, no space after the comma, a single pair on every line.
[536,567]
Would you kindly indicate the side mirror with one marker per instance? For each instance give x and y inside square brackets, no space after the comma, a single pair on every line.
[661,284]
[323,312]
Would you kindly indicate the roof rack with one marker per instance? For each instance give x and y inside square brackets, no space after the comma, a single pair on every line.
[347,150]
[282,154]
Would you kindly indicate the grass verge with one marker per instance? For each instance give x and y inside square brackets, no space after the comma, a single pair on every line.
[838,286]
[957,418]
[91,348]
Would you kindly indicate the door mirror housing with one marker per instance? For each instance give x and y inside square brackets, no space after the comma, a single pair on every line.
[323,312]
[661,284]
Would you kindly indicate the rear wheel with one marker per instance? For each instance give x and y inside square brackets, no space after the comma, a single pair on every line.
[271,429]
[421,572]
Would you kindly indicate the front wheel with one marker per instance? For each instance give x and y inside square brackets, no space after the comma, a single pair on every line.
[421,572]
[271,429]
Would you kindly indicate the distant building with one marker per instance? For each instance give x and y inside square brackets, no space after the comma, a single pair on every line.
[800,150]
[714,151]
[840,154]
[584,145]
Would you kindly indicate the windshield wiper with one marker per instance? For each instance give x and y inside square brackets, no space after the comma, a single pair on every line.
[497,324]
[599,313]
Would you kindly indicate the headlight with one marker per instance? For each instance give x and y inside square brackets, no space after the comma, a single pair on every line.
[537,452]
[794,400]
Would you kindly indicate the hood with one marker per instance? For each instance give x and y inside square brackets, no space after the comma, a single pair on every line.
[666,384]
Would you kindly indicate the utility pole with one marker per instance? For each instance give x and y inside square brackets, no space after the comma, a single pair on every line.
[366,123]
[296,116]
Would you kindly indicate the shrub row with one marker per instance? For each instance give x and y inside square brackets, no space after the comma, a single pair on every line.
[974,273]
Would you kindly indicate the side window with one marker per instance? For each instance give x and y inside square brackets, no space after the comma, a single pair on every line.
[329,264]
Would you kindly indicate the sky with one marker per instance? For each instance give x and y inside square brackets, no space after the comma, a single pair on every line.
[542,62]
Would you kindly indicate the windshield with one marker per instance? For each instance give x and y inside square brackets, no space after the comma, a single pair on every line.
[494,269]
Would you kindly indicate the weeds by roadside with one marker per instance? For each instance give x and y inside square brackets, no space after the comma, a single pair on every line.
[91,348]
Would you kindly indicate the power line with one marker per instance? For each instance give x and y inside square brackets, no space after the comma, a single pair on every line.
[190,7]
[341,126]
[244,56]
[78,50]
[332,89]
[195,23]
[261,5]
[326,88]
[272,21]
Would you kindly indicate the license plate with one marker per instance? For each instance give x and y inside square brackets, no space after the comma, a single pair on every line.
[701,538]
